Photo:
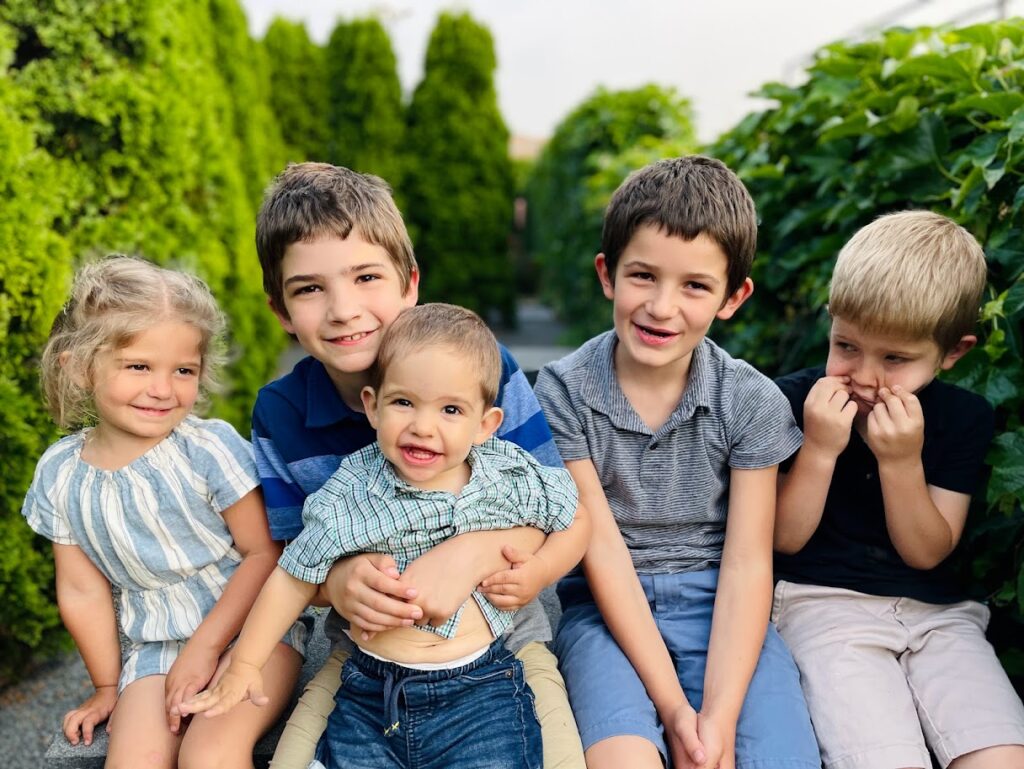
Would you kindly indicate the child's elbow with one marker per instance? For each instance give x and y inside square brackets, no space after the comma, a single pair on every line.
[787,544]
[923,561]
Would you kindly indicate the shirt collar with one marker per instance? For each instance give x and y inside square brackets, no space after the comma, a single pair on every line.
[324,405]
[602,392]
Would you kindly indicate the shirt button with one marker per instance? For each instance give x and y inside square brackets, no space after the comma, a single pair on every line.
[654,445]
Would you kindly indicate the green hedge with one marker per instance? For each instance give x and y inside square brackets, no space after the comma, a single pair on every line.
[118,132]
[366,119]
[591,152]
[914,119]
[458,176]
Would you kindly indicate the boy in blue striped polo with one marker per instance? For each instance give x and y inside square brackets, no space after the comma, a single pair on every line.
[447,694]
[674,446]
[338,267]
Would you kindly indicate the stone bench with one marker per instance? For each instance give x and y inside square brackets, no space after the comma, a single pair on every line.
[62,755]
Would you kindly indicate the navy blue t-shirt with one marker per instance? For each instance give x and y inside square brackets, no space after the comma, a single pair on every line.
[851,547]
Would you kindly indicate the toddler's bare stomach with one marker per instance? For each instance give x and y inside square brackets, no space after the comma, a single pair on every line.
[409,645]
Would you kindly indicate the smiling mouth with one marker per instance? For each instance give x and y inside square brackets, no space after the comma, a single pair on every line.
[350,338]
[654,334]
[152,411]
[416,455]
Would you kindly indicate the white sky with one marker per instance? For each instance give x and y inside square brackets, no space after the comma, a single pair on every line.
[553,53]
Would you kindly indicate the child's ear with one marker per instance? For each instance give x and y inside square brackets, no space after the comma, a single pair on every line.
[606,278]
[960,349]
[369,397]
[735,299]
[491,421]
[281,315]
[412,293]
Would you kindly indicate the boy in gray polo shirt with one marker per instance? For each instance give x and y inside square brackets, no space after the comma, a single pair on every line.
[668,438]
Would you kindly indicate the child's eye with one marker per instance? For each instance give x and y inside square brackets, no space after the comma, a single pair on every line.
[187,371]
[641,275]
[137,367]
[310,289]
[844,346]
[403,402]
[895,359]
[452,410]
[368,277]
[693,285]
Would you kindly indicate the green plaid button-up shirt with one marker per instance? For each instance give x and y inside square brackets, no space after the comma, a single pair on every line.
[366,508]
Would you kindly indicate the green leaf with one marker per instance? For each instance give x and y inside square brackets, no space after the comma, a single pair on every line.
[1014,301]
[1000,105]
[937,66]
[1016,126]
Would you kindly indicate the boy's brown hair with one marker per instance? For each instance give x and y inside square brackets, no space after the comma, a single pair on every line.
[685,197]
[442,325]
[911,274]
[309,201]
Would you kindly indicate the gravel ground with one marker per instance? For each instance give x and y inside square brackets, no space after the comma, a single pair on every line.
[31,711]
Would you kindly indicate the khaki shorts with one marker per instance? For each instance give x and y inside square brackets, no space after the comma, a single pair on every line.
[885,677]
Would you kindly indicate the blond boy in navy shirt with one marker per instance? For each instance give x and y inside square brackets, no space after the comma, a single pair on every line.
[893,658]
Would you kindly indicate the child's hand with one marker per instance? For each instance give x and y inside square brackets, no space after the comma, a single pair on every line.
[241,681]
[684,743]
[440,590]
[895,427]
[190,673]
[366,591]
[89,714]
[828,416]
[718,742]
[515,587]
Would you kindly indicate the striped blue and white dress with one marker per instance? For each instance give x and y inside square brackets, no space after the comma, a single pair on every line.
[154,528]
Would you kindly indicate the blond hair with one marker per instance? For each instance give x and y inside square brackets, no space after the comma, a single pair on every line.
[112,301]
[309,201]
[442,325]
[911,274]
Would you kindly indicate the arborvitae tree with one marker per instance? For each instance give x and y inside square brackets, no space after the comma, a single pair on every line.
[298,92]
[458,180]
[243,64]
[364,100]
[33,270]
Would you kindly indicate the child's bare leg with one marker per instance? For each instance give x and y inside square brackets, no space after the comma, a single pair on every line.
[227,741]
[308,720]
[139,734]
[626,750]
[562,746]
[996,757]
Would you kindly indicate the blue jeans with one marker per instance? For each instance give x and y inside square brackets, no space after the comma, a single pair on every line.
[479,716]
[774,730]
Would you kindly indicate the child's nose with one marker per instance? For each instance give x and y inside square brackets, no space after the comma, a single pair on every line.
[422,424]
[868,374]
[660,305]
[160,386]
[343,306]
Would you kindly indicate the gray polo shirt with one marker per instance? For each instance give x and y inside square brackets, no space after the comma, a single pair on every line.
[668,489]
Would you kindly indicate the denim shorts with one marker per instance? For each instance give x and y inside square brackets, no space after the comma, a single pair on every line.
[478,716]
[774,730]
